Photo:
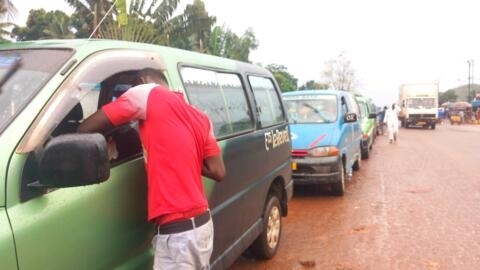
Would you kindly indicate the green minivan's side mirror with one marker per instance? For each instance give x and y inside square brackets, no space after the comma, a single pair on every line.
[72,160]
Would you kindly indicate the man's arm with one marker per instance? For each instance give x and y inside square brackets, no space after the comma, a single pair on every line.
[214,168]
[97,122]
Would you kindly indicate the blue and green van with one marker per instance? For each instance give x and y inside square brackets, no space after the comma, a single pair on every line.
[65,205]
[325,136]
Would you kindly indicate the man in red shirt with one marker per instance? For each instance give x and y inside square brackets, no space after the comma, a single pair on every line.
[179,147]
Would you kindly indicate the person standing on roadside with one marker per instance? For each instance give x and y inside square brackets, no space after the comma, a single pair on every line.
[381,120]
[179,147]
[391,120]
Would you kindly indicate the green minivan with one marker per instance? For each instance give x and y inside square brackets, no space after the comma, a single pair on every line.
[65,205]
[368,118]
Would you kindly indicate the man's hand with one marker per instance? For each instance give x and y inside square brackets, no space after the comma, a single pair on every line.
[112,148]
[214,168]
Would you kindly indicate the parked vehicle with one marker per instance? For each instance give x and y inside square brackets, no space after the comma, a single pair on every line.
[65,205]
[455,117]
[368,119]
[418,105]
[325,136]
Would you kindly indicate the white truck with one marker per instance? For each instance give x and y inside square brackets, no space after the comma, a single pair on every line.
[418,105]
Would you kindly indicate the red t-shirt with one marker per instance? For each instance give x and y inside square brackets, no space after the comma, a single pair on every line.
[176,137]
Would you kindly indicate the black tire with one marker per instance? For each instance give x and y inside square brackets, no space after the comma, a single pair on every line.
[357,164]
[433,126]
[365,153]
[266,244]
[338,189]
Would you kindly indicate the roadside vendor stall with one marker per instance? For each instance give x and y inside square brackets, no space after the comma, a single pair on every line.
[460,112]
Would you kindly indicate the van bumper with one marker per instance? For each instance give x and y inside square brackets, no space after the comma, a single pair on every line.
[420,121]
[315,170]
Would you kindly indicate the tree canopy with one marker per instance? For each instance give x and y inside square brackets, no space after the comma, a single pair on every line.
[147,22]
[313,85]
[286,81]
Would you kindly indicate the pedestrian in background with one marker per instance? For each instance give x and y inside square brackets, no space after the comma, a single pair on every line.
[391,120]
[179,147]
[381,120]
[441,115]
[461,113]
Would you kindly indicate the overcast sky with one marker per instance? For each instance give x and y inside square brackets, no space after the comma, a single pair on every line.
[388,42]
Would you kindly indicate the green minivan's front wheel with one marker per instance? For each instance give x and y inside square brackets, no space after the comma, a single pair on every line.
[266,245]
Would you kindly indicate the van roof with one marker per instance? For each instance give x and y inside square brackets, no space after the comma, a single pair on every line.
[89,46]
[313,92]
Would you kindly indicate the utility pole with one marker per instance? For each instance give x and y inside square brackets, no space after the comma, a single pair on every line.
[470,78]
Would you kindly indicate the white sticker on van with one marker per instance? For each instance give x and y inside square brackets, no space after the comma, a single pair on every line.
[275,138]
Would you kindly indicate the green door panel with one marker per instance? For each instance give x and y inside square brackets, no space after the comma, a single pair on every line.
[102,226]
[7,247]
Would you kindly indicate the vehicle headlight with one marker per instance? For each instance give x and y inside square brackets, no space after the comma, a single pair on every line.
[323,151]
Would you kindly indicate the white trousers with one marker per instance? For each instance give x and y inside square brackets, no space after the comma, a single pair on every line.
[392,131]
[184,251]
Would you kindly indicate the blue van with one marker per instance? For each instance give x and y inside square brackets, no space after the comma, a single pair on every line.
[326,137]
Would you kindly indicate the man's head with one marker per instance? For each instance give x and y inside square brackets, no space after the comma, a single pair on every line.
[150,75]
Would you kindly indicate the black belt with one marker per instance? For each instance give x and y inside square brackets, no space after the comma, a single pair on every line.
[184,225]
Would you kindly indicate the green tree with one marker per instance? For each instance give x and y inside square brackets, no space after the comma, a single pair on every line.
[310,85]
[136,30]
[192,28]
[449,95]
[215,43]
[147,22]
[59,27]
[223,42]
[159,15]
[88,14]
[239,47]
[285,80]
[44,25]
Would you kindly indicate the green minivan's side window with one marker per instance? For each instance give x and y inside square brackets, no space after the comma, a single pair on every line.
[363,112]
[221,96]
[354,108]
[268,102]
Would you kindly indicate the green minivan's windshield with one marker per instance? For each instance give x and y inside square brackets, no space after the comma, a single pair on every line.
[23,73]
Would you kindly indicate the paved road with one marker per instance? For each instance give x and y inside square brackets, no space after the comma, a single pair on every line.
[414,204]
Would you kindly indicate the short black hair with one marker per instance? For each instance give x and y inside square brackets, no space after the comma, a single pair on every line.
[152,75]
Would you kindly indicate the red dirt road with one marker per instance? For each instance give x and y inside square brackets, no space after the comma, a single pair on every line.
[414,204]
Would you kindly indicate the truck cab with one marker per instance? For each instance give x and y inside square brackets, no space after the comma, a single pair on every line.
[418,105]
